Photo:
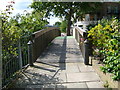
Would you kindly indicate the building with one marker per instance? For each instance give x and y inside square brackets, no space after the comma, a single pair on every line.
[107,10]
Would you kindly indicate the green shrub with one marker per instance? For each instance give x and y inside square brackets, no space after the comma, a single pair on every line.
[16,28]
[106,38]
[63,26]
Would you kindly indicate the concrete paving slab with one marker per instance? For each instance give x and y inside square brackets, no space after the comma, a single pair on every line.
[77,59]
[61,86]
[45,65]
[50,53]
[55,47]
[68,60]
[51,60]
[48,58]
[45,86]
[72,85]
[85,68]
[69,68]
[94,84]
[43,79]
[34,86]
[49,86]
[70,54]
[61,77]
[82,77]
[44,70]
[74,52]
[72,68]
[60,66]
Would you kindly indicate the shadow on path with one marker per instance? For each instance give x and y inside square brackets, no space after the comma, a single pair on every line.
[62,60]
[46,69]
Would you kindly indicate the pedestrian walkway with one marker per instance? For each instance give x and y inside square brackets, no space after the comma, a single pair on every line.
[60,66]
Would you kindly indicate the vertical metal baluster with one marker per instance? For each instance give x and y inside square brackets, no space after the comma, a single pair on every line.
[9,72]
[25,52]
[20,54]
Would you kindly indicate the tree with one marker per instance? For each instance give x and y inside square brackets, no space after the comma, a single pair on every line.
[17,27]
[57,24]
[63,26]
[66,10]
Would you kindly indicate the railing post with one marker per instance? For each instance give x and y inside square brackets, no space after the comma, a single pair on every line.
[30,59]
[20,54]
[1,53]
[86,53]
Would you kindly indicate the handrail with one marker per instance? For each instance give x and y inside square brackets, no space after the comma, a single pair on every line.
[79,33]
[80,30]
[40,32]
[81,37]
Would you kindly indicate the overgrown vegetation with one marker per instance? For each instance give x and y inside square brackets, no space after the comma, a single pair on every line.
[62,25]
[105,38]
[15,30]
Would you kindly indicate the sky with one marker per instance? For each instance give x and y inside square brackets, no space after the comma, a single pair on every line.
[20,6]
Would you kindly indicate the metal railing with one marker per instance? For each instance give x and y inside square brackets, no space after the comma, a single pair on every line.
[20,54]
[24,50]
[13,62]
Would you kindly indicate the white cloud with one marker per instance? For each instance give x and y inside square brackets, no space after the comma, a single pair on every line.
[52,20]
[19,6]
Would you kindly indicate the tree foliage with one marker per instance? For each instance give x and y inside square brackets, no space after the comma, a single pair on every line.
[16,27]
[63,26]
[57,24]
[66,10]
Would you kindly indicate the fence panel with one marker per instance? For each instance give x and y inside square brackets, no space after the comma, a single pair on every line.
[12,61]
[16,58]
[24,50]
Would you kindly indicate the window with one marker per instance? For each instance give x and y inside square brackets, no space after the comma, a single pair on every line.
[109,9]
[87,17]
[115,9]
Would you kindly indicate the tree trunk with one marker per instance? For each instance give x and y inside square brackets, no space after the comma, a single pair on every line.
[69,20]
[68,26]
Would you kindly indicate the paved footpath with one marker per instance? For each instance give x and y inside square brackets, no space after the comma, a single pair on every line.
[60,66]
